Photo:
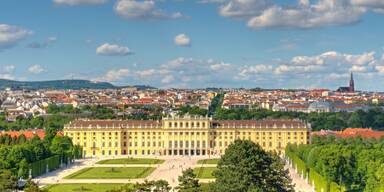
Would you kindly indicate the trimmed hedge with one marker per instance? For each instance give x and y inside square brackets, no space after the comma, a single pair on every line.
[316,180]
[40,167]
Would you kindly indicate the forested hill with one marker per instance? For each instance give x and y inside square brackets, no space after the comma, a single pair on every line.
[59,84]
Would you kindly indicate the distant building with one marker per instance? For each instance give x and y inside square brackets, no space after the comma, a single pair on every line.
[351,132]
[350,88]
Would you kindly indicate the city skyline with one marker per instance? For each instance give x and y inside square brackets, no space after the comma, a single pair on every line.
[195,44]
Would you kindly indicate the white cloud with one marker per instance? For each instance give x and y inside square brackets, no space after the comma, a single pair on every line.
[36,69]
[79,2]
[146,10]
[243,8]
[6,72]
[167,79]
[113,50]
[304,15]
[220,66]
[114,75]
[321,14]
[10,35]
[9,68]
[182,40]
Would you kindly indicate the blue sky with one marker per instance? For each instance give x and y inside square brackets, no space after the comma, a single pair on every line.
[175,43]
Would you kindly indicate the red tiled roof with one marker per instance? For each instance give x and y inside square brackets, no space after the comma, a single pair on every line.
[27,133]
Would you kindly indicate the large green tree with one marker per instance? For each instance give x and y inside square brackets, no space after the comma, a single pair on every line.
[247,167]
[188,182]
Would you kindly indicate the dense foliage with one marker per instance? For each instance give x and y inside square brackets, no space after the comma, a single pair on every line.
[18,155]
[216,103]
[192,110]
[357,164]
[373,118]
[54,121]
[188,182]
[245,166]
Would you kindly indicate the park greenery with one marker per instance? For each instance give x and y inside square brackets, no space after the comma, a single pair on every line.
[112,173]
[131,160]
[355,164]
[18,155]
[373,118]
[245,166]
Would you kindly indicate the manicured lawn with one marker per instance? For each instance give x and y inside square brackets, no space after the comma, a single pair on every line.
[208,161]
[82,187]
[204,187]
[112,173]
[204,172]
[131,161]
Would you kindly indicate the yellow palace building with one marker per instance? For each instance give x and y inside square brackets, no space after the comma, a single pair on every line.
[187,135]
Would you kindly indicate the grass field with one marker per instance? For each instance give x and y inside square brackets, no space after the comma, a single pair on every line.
[208,161]
[82,187]
[131,161]
[204,172]
[112,173]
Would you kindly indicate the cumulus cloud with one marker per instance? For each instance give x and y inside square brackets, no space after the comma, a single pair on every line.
[6,72]
[304,15]
[79,2]
[113,50]
[329,69]
[10,35]
[146,10]
[182,40]
[243,8]
[36,69]
[44,44]
[114,75]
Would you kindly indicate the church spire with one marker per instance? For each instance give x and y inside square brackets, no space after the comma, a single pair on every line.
[351,84]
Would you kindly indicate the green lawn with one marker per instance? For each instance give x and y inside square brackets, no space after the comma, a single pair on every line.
[208,161]
[204,172]
[82,187]
[112,173]
[131,161]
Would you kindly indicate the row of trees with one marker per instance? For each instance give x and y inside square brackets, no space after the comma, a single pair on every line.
[357,164]
[373,118]
[17,154]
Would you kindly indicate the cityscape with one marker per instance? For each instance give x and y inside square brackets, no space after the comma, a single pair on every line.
[191,96]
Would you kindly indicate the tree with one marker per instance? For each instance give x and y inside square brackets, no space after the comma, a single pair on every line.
[50,133]
[247,167]
[23,169]
[33,187]
[8,182]
[61,144]
[161,186]
[188,182]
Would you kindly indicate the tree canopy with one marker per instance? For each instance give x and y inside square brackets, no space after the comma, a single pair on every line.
[245,166]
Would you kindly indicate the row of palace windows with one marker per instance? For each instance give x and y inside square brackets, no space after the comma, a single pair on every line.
[186,124]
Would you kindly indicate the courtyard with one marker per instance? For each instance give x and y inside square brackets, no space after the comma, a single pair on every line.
[101,174]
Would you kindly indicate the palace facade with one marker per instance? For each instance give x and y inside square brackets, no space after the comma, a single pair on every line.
[187,135]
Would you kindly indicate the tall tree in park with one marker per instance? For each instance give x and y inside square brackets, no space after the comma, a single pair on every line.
[61,144]
[188,182]
[247,167]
